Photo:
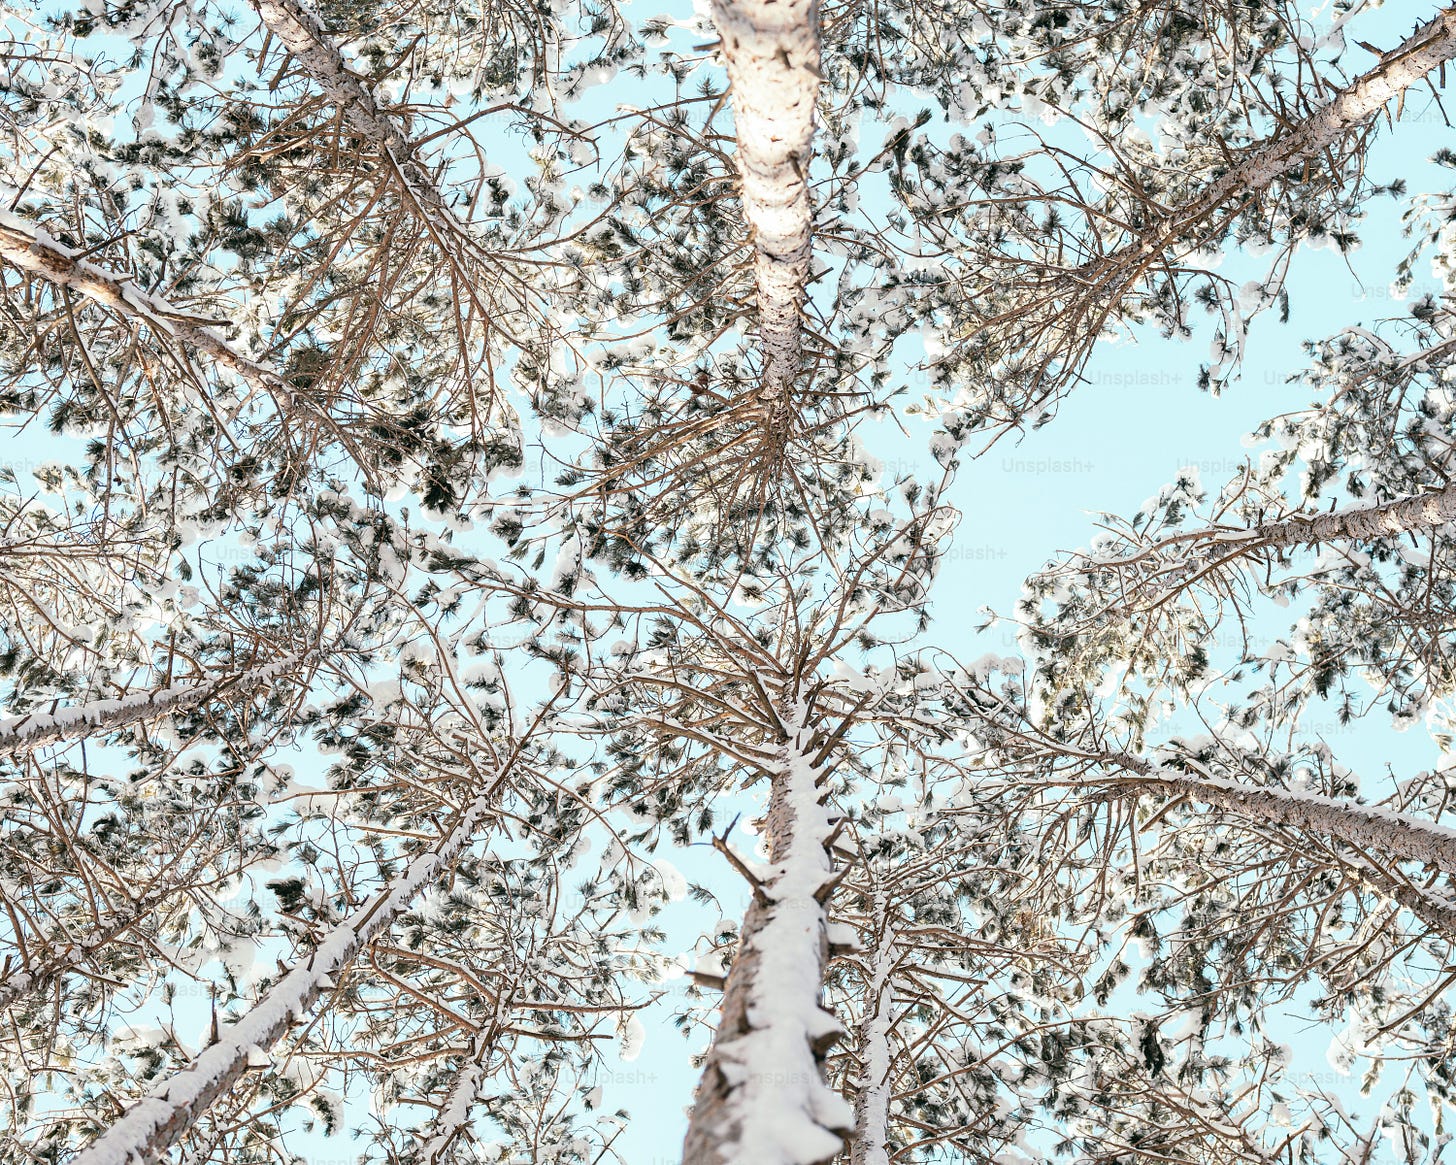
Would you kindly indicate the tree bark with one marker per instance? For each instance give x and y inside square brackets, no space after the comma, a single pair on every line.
[762,1099]
[1421,54]
[872,1099]
[771,48]
[22,734]
[1398,834]
[157,1121]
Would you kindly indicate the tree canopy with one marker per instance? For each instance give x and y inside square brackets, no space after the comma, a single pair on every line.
[466,605]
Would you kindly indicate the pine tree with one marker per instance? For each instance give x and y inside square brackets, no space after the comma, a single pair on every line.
[454,473]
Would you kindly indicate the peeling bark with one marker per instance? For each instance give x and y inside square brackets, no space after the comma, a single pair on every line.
[762,1099]
[771,48]
[22,734]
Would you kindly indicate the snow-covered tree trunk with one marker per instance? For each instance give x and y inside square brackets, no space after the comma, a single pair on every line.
[1421,54]
[877,1058]
[762,1099]
[1355,523]
[1397,834]
[20,734]
[306,38]
[163,1117]
[771,48]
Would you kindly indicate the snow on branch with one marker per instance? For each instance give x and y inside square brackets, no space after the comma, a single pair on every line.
[21,734]
[762,1099]
[1177,561]
[1425,51]
[1397,834]
[772,52]
[1435,909]
[157,1121]
[23,984]
[1098,285]
[307,40]
[33,250]
[453,1117]
[1355,523]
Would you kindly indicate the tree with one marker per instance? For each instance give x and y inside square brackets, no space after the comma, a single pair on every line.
[442,492]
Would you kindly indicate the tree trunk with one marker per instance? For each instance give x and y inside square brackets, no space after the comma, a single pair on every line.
[876,1085]
[762,1099]
[22,734]
[1397,834]
[771,48]
[157,1121]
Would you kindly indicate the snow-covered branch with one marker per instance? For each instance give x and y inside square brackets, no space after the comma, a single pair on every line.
[453,1117]
[772,52]
[307,40]
[161,1118]
[1428,49]
[1397,834]
[33,250]
[20,734]
[22,984]
[762,1099]
[1355,523]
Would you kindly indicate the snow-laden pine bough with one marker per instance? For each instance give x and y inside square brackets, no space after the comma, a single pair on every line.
[31,249]
[762,1098]
[304,35]
[771,49]
[1354,828]
[1147,584]
[164,1116]
[21,985]
[1368,826]
[22,734]
[1065,315]
[1356,831]
[1181,560]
